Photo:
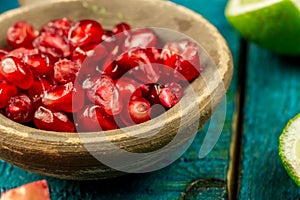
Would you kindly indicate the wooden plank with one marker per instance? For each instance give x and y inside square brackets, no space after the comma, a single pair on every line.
[187,178]
[7,5]
[272,89]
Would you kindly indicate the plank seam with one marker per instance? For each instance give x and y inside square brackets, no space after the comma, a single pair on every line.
[238,125]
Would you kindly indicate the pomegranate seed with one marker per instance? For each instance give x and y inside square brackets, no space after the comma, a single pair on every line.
[138,56]
[80,53]
[7,91]
[155,55]
[3,53]
[176,89]
[139,110]
[59,27]
[146,73]
[40,64]
[85,32]
[112,69]
[144,89]
[90,56]
[66,70]
[53,44]
[16,72]
[20,108]
[167,98]
[142,64]
[65,97]
[89,82]
[36,190]
[183,57]
[38,88]
[121,27]
[142,38]
[21,34]
[104,93]
[128,89]
[94,118]
[153,93]
[21,52]
[52,120]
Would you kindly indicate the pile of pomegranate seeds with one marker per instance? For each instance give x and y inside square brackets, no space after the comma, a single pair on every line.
[76,76]
[37,190]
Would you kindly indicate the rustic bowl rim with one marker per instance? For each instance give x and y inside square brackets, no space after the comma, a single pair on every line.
[72,135]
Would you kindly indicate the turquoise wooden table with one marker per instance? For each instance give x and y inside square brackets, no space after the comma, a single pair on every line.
[264,94]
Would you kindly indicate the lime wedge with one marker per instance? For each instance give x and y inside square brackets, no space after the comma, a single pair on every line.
[273,24]
[289,148]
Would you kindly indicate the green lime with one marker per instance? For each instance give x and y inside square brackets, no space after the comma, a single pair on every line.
[289,148]
[273,24]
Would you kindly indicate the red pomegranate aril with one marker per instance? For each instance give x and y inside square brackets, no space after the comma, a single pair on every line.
[87,120]
[120,28]
[89,82]
[21,34]
[16,72]
[51,119]
[66,70]
[167,98]
[142,65]
[85,32]
[38,88]
[155,54]
[80,53]
[104,93]
[135,57]
[146,73]
[183,57]
[58,26]
[7,91]
[176,89]
[67,97]
[144,89]
[20,108]
[90,56]
[139,110]
[50,43]
[153,94]
[39,64]
[21,52]
[94,118]
[31,191]
[111,68]
[128,89]
[141,38]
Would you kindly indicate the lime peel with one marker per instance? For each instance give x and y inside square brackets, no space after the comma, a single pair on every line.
[237,7]
[273,24]
[289,148]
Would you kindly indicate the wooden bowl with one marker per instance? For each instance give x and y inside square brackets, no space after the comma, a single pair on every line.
[72,156]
